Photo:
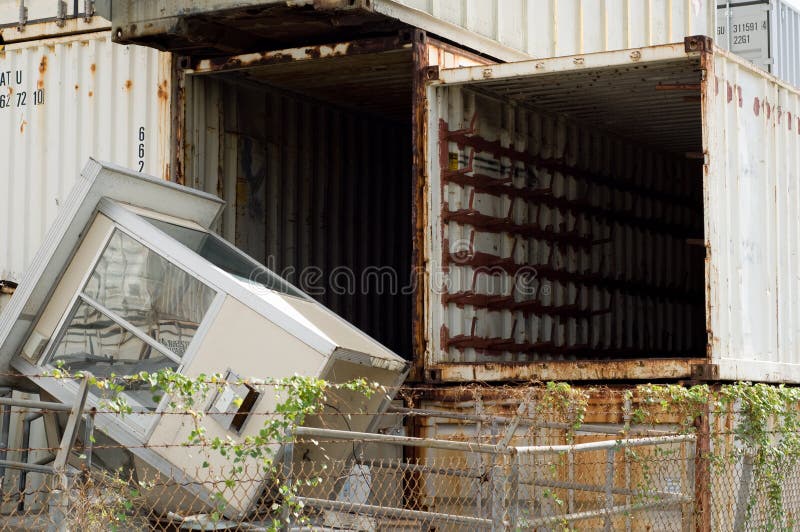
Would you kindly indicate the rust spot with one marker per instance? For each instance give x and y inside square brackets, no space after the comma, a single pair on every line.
[756,106]
[739,92]
[22,126]
[162,90]
[40,84]
[77,86]
[93,68]
[768,109]
[730,93]
[789,120]
[128,85]
[91,94]
[10,91]
[43,65]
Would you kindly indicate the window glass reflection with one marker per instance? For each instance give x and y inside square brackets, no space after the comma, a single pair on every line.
[153,294]
[93,342]
[217,252]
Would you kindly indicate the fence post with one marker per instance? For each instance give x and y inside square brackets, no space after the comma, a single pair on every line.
[287,465]
[702,473]
[512,492]
[743,495]
[608,521]
[495,504]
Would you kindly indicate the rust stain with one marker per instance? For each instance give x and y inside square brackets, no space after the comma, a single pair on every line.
[43,65]
[10,91]
[730,92]
[756,106]
[22,126]
[163,94]
[716,86]
[93,68]
[91,94]
[567,370]
[128,85]
[40,84]
[77,86]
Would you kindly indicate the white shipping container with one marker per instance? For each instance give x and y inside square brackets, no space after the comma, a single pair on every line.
[508,30]
[617,178]
[766,33]
[63,100]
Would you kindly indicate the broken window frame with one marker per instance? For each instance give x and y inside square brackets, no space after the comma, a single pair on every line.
[140,425]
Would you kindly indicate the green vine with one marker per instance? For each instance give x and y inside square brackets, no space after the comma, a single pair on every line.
[298,397]
[764,428]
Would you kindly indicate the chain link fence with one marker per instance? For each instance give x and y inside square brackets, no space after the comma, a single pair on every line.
[506,465]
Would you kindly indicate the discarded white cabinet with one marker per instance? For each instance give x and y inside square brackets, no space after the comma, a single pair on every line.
[131,279]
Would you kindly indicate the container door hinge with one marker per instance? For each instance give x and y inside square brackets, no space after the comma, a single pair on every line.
[705,372]
[23,16]
[698,43]
[88,10]
[61,15]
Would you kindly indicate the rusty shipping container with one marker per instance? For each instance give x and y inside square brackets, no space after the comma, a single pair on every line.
[594,217]
[63,99]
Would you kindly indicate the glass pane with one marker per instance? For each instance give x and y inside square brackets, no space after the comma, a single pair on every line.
[92,342]
[217,252]
[153,294]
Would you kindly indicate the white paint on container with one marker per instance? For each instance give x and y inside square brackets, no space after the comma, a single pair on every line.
[63,100]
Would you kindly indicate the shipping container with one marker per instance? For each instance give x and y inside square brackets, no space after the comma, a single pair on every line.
[655,201]
[614,216]
[61,101]
[504,29]
[295,142]
[766,32]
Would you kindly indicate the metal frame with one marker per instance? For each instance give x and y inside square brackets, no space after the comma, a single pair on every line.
[505,504]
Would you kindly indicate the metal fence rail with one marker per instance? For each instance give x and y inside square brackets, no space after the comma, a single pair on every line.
[517,473]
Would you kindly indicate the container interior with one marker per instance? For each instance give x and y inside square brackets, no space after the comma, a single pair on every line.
[314,159]
[571,222]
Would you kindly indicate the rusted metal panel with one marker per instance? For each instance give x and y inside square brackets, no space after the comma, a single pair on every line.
[445,55]
[64,100]
[643,369]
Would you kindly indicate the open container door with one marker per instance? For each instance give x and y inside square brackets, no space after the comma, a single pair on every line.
[566,218]
[615,216]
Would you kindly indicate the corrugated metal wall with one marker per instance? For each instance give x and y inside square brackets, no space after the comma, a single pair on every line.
[752,223]
[62,101]
[552,28]
[559,241]
[322,195]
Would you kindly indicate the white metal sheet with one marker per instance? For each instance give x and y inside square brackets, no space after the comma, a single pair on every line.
[752,198]
[61,101]
[552,28]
